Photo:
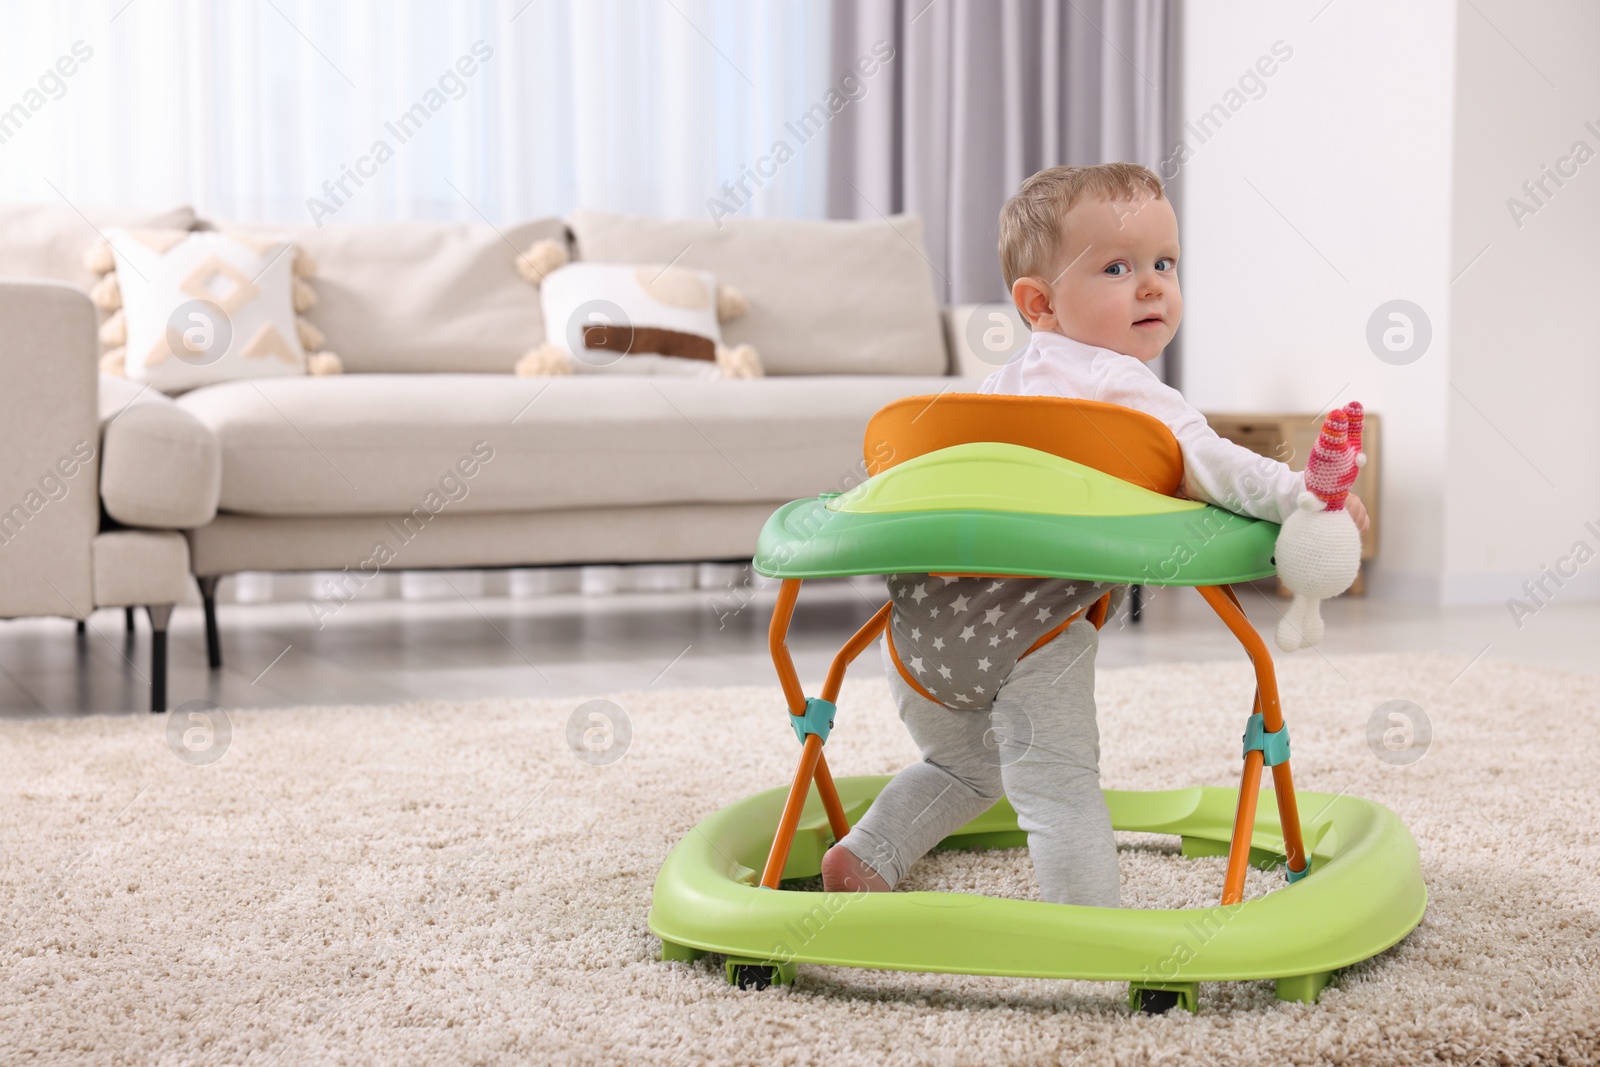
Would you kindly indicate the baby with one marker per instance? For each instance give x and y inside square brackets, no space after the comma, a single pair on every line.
[994,678]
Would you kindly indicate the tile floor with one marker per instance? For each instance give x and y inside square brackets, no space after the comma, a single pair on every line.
[471,644]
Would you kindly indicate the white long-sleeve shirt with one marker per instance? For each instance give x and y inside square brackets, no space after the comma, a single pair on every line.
[1215,469]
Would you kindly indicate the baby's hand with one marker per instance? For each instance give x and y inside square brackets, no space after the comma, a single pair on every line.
[1358,512]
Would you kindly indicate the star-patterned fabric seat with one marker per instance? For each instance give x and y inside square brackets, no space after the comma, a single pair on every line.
[956,639]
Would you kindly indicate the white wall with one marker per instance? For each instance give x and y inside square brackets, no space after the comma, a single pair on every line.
[1525,365]
[1312,205]
[1374,166]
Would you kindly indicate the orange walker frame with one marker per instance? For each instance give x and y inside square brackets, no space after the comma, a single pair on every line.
[813,766]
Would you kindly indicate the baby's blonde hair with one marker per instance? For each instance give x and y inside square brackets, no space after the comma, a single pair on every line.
[1031,222]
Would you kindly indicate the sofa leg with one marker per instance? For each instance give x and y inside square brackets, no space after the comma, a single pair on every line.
[127,617]
[1136,603]
[159,614]
[83,627]
[208,597]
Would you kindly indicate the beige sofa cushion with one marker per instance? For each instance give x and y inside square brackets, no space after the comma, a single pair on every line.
[386,444]
[407,297]
[49,240]
[159,465]
[826,297]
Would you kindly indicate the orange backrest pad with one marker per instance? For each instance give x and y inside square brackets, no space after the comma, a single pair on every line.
[1120,441]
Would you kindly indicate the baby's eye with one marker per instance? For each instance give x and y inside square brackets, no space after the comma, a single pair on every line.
[1117,270]
[1170,263]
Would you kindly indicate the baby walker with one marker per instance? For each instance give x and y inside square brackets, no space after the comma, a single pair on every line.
[1045,487]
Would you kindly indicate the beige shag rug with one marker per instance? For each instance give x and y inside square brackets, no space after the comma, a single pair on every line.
[449,883]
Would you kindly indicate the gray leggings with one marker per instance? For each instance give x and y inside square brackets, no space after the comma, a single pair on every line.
[1039,746]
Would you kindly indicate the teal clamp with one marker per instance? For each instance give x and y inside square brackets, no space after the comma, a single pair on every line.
[1274,747]
[818,719]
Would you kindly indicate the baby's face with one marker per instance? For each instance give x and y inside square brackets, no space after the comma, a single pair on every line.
[1116,284]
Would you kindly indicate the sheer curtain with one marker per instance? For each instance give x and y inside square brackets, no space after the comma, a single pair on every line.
[294,110]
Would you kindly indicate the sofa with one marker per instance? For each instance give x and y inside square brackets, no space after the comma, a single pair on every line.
[429,452]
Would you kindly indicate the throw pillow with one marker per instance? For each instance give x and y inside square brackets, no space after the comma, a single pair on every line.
[631,319]
[193,308]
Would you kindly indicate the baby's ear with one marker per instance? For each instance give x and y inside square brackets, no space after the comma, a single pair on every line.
[1032,300]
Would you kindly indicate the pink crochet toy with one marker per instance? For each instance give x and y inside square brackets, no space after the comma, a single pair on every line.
[1319,547]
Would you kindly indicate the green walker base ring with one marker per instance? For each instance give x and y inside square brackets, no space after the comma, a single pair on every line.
[1364,893]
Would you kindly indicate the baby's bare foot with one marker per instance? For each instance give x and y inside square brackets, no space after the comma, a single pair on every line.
[845,872]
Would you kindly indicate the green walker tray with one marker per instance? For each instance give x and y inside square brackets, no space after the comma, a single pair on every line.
[996,508]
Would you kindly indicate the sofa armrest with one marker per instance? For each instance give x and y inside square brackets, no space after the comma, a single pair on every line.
[982,337]
[160,466]
[49,507]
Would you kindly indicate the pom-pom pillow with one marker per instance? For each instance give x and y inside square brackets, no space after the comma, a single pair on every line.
[193,308]
[627,319]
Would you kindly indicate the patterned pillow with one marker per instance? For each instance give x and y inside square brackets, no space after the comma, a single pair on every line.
[624,319]
[193,308]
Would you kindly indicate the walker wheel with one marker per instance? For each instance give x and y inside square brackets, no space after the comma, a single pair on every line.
[1157,1001]
[748,973]
[753,976]
[1160,998]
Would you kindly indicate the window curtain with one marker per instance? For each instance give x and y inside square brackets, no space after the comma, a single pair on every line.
[983,94]
[397,109]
